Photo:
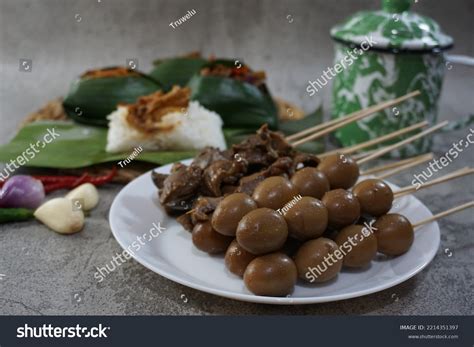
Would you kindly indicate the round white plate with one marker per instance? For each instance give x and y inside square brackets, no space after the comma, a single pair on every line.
[171,253]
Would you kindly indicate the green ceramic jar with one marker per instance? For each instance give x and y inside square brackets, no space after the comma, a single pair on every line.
[392,52]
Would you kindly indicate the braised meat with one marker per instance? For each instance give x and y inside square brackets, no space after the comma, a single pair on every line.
[158,179]
[222,172]
[182,184]
[203,208]
[263,148]
[282,166]
[209,155]
[214,173]
[185,221]
[301,160]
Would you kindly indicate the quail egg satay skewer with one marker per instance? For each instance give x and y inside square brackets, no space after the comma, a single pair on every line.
[343,208]
[230,211]
[343,171]
[262,231]
[206,239]
[376,197]
[237,258]
[274,192]
[310,181]
[305,216]
[308,217]
[360,244]
[391,234]
[272,274]
[372,196]
[395,233]
[318,260]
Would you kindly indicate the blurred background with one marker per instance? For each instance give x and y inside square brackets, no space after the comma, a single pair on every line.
[288,39]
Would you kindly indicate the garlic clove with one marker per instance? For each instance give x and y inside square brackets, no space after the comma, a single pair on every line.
[61,216]
[86,196]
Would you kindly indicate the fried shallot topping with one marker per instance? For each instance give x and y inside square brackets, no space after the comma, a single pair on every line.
[240,73]
[53,110]
[146,114]
[115,71]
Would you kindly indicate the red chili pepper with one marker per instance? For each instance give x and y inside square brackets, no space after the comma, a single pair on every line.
[55,179]
[97,181]
[48,188]
[67,182]
[81,179]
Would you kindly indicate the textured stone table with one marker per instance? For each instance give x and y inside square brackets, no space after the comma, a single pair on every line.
[46,273]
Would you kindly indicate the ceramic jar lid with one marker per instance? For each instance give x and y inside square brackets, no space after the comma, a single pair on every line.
[393,28]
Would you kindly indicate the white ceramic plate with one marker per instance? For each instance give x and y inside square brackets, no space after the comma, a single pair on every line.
[172,254]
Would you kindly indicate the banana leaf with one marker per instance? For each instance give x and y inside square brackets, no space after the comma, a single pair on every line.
[76,146]
[176,71]
[240,104]
[90,100]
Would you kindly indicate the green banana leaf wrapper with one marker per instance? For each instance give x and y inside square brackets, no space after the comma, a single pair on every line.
[180,70]
[91,100]
[176,71]
[240,104]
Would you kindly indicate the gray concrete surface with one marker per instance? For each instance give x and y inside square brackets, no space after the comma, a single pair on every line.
[44,271]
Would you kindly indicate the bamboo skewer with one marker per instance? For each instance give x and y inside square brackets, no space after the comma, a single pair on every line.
[372,109]
[402,143]
[346,120]
[414,162]
[363,154]
[323,125]
[389,166]
[355,148]
[443,214]
[456,174]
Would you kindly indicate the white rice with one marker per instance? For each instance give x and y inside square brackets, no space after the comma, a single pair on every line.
[193,130]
